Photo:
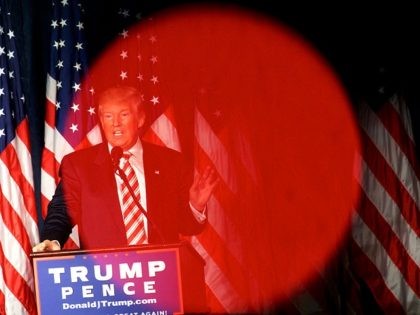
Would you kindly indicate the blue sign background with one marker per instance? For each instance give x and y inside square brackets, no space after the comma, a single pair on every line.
[166,300]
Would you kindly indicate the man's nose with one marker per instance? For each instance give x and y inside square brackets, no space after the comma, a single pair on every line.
[116,121]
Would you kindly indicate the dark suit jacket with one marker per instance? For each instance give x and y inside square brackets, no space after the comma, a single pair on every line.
[87,196]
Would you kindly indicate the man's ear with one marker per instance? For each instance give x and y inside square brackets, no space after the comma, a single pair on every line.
[142,119]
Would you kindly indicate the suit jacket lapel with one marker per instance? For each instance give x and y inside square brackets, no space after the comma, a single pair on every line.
[105,174]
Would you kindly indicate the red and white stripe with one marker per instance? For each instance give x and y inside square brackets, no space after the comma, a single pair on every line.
[18,226]
[220,244]
[55,148]
[386,228]
[163,131]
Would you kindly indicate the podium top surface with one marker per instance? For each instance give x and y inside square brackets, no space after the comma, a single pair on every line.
[145,247]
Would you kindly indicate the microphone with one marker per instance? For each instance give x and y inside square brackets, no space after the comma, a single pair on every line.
[116,155]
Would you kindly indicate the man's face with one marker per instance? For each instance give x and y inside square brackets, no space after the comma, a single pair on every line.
[120,122]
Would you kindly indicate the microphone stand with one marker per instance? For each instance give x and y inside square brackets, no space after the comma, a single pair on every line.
[122,175]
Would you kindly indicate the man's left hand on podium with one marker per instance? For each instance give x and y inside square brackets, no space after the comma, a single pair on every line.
[46,246]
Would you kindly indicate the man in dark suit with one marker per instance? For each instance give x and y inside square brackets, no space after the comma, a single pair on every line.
[89,194]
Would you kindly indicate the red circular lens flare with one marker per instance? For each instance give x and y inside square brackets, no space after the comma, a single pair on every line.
[287,201]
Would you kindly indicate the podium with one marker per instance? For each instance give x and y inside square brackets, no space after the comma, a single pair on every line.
[148,279]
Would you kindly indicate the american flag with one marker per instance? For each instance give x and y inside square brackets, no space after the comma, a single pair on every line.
[136,61]
[385,235]
[238,267]
[222,242]
[239,275]
[70,120]
[18,217]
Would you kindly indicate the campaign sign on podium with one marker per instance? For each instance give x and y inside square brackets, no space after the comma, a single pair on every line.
[145,280]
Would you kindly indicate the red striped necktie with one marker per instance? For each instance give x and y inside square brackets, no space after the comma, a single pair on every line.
[133,218]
